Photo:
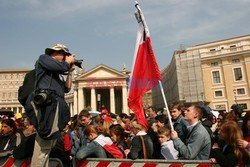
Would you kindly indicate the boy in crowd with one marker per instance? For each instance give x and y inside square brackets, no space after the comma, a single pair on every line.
[167,146]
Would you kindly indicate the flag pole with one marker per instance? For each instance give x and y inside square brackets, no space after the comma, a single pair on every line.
[166,106]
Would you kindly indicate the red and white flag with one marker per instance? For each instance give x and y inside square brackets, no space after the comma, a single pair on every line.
[145,73]
[109,146]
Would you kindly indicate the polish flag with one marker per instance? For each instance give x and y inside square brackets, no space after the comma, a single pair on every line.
[145,72]
[109,146]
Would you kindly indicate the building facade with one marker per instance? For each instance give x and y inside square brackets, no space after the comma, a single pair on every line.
[100,87]
[215,72]
[226,72]
[97,88]
[10,81]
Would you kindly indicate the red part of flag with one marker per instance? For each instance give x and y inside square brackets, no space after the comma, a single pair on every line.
[145,74]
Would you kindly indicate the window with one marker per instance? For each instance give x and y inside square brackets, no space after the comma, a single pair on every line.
[220,107]
[212,50]
[241,91]
[216,76]
[214,64]
[237,74]
[233,48]
[235,60]
[218,93]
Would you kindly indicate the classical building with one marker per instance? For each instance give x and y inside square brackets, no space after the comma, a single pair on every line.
[100,87]
[216,72]
[97,88]
[10,80]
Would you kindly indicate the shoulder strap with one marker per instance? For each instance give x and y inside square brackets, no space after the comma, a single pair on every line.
[144,148]
[36,78]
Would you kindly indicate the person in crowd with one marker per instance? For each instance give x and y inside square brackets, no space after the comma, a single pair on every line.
[141,144]
[62,148]
[160,121]
[117,135]
[246,126]
[206,120]
[245,143]
[126,120]
[107,122]
[78,137]
[226,153]
[18,119]
[198,143]
[10,138]
[152,113]
[220,119]
[179,124]
[214,123]
[167,146]
[27,127]
[48,99]
[99,145]
[104,113]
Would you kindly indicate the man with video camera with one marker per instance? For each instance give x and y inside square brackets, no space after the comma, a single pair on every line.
[46,106]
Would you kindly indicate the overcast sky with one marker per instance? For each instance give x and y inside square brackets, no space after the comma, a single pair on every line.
[104,31]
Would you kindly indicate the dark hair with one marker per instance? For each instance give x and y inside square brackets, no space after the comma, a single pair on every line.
[11,124]
[84,113]
[118,130]
[162,118]
[153,109]
[123,115]
[245,129]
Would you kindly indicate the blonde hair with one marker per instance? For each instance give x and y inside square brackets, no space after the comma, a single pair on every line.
[136,125]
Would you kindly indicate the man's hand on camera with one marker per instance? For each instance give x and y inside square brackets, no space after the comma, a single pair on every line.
[70,59]
[72,68]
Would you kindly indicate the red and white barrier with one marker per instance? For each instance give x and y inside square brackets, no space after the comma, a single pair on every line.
[11,162]
[97,162]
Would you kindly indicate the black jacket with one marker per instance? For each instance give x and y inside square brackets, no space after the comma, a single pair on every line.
[136,151]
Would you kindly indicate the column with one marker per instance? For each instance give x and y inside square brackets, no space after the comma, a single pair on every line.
[75,111]
[93,99]
[80,99]
[112,100]
[71,109]
[125,100]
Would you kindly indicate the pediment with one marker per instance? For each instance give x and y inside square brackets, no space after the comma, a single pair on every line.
[101,72]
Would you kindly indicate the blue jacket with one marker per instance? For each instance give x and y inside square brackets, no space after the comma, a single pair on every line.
[197,145]
[180,126]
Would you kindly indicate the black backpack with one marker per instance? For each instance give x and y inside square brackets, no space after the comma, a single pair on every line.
[28,87]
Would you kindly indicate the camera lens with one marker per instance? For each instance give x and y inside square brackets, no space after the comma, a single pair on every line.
[40,98]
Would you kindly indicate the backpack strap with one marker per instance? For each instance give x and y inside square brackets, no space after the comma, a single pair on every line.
[144,148]
[36,78]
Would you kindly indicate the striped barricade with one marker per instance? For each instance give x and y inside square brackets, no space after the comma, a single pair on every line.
[11,162]
[106,162]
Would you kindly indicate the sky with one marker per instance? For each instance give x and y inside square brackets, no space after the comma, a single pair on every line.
[104,31]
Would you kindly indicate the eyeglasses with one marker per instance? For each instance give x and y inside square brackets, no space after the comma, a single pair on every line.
[219,119]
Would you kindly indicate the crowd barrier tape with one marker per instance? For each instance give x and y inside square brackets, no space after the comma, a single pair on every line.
[11,162]
[107,162]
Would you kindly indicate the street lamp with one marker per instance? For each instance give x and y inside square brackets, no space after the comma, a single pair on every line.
[235,97]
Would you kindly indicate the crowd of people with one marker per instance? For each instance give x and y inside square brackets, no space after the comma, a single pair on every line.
[46,129]
[197,134]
